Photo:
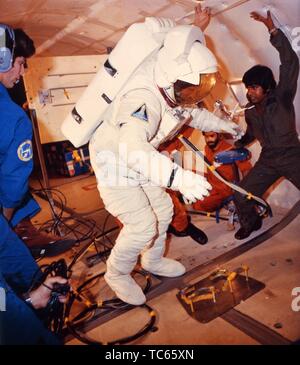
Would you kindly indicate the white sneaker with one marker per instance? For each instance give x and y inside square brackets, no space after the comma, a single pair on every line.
[125,288]
[164,267]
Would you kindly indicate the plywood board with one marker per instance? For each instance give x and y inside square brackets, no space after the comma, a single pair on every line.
[53,85]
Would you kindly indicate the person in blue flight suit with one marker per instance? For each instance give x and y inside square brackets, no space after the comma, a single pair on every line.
[16,130]
[16,162]
[19,324]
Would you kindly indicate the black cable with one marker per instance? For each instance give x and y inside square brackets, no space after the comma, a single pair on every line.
[52,224]
[142,332]
[79,254]
[53,315]
[58,220]
[56,314]
[108,305]
[94,242]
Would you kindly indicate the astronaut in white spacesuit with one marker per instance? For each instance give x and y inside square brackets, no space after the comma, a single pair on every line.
[158,99]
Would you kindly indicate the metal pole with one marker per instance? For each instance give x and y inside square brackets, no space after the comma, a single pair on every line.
[45,177]
[230,7]
[39,149]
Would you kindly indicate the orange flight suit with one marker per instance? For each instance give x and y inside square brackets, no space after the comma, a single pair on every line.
[180,218]
[220,191]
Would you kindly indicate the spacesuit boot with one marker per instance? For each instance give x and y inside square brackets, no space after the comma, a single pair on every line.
[163,267]
[153,261]
[124,286]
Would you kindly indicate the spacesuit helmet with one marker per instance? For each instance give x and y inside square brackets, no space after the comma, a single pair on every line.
[185,68]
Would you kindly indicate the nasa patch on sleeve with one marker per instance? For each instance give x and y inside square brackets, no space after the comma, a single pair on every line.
[76,116]
[25,151]
[141,113]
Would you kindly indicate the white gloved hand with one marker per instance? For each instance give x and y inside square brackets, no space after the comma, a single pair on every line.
[232,128]
[192,186]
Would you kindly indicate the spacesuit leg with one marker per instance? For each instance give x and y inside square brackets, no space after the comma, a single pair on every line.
[152,258]
[131,206]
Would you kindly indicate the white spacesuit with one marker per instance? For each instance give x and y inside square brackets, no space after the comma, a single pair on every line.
[132,175]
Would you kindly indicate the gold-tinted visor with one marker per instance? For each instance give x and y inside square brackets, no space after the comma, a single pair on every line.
[187,94]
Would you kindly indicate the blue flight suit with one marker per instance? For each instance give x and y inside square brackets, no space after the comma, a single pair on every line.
[15,159]
[19,324]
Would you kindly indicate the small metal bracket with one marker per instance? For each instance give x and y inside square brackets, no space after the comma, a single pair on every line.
[45,97]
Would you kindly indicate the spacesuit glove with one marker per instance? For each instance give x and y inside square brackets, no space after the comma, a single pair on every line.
[192,186]
[231,128]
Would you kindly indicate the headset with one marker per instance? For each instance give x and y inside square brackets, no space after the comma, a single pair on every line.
[6,51]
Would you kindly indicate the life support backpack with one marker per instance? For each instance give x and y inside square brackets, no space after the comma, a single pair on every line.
[140,41]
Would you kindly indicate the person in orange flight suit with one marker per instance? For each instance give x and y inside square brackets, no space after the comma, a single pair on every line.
[181,225]
[220,191]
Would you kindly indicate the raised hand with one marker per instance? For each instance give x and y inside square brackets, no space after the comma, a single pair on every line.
[202,17]
[268,21]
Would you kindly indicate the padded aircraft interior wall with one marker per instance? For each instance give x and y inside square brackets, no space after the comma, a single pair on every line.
[92,27]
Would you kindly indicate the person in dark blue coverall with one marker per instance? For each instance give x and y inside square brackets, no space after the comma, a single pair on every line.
[18,321]
[19,324]
[16,130]
[271,121]
[16,163]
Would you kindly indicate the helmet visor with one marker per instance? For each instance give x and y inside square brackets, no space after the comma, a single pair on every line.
[187,94]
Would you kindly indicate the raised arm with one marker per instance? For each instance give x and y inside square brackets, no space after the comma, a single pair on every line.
[202,17]
[289,68]
[206,121]
[268,21]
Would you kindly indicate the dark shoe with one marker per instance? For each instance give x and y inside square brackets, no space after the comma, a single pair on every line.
[195,233]
[176,233]
[40,243]
[243,232]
